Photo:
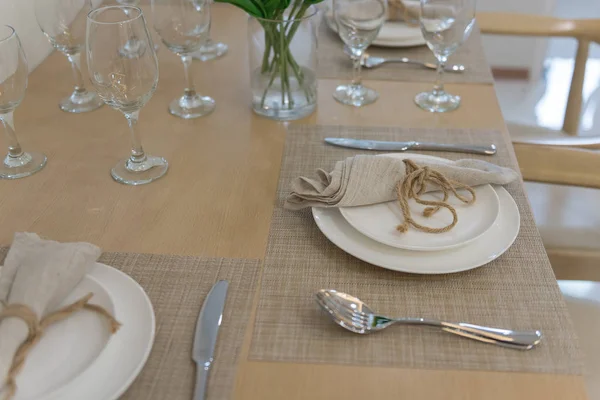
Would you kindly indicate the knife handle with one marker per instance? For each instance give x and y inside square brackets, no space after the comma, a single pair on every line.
[457,148]
[201,380]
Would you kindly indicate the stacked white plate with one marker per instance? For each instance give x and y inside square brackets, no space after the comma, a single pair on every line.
[78,358]
[392,33]
[485,230]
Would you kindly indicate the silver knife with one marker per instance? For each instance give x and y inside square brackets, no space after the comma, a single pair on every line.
[406,146]
[205,339]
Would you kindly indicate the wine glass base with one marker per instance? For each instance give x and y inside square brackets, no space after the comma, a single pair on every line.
[188,107]
[437,102]
[24,165]
[80,102]
[139,173]
[354,95]
[211,51]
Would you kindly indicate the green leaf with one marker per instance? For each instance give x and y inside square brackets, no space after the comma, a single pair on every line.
[247,5]
[311,2]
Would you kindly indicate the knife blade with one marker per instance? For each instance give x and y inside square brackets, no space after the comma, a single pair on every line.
[207,328]
[412,145]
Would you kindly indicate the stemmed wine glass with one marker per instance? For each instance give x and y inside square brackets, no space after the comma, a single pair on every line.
[183,27]
[13,82]
[125,83]
[63,23]
[445,24]
[210,49]
[358,23]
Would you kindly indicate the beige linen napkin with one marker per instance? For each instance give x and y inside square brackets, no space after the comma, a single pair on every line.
[404,10]
[40,274]
[363,180]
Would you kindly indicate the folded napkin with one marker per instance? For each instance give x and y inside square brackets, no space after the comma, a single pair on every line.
[39,274]
[404,10]
[363,180]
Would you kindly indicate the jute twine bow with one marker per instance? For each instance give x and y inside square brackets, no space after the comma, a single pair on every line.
[37,328]
[413,186]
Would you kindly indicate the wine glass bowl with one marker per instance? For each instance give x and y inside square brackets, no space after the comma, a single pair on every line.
[358,23]
[125,83]
[13,83]
[445,25]
[63,23]
[183,28]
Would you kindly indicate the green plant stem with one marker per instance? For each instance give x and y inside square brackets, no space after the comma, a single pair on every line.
[265,62]
[278,37]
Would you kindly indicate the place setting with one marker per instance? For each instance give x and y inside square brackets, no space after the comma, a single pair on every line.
[379,209]
[72,326]
[402,44]
[367,234]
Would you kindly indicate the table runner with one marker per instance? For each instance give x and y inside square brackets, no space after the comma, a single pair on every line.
[517,291]
[177,287]
[333,63]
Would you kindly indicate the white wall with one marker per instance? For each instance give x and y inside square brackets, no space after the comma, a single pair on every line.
[20,15]
[516,52]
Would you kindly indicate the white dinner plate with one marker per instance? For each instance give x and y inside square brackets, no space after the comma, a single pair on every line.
[482,250]
[379,221]
[392,34]
[78,358]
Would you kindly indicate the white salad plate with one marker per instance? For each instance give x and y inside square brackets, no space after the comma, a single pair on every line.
[489,246]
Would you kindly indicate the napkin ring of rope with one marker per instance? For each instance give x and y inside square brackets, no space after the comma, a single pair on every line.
[413,186]
[37,327]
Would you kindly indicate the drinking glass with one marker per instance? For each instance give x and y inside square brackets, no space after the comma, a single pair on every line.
[210,49]
[63,23]
[183,26]
[125,83]
[13,82]
[358,23]
[445,24]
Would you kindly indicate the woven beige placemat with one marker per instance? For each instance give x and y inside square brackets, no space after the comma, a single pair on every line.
[177,287]
[517,291]
[334,64]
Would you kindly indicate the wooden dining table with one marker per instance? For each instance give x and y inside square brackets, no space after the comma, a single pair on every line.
[218,196]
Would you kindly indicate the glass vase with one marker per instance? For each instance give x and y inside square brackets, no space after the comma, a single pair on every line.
[283,61]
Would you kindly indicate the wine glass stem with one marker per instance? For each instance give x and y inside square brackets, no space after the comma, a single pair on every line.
[14,148]
[208,40]
[438,88]
[75,60]
[189,90]
[356,70]
[137,152]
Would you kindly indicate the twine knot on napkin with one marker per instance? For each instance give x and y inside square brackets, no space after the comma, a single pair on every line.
[36,278]
[413,186]
[37,327]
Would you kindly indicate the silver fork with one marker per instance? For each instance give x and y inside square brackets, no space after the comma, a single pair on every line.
[354,315]
[368,61]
